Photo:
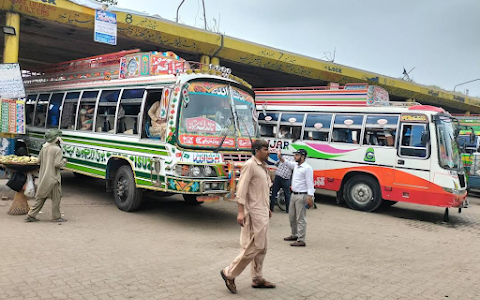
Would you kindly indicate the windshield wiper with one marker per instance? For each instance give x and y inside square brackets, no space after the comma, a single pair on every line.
[246,128]
[225,133]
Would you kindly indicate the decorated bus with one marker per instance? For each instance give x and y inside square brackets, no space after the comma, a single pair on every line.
[146,121]
[364,149]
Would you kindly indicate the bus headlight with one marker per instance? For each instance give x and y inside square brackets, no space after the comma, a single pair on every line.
[215,185]
[208,171]
[453,191]
[208,186]
[196,171]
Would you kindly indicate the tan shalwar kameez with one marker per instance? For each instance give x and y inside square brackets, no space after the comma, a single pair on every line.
[157,129]
[50,180]
[253,192]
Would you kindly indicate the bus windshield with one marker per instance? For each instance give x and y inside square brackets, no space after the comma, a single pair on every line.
[449,153]
[208,120]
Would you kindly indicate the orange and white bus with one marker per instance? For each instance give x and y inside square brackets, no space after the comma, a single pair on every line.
[364,149]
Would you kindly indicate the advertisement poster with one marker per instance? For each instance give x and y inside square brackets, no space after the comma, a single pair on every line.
[105,27]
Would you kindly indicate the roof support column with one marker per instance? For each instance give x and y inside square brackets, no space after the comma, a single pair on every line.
[12,38]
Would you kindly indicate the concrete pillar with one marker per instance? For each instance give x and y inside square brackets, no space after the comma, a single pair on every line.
[12,42]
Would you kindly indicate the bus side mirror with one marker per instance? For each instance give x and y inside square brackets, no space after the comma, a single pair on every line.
[472,137]
[425,138]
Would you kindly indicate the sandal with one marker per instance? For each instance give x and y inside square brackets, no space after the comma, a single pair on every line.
[230,283]
[59,220]
[31,219]
[262,284]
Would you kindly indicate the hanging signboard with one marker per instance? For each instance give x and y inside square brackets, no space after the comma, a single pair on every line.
[12,116]
[105,27]
[11,83]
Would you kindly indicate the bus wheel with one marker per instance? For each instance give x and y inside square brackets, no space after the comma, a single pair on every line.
[191,199]
[127,196]
[363,193]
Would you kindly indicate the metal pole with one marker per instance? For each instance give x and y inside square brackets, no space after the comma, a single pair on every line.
[178,8]
[204,15]
[465,83]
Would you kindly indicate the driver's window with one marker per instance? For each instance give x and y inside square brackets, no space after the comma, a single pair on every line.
[156,122]
[411,141]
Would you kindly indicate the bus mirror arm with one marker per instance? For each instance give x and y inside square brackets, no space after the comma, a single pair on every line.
[425,138]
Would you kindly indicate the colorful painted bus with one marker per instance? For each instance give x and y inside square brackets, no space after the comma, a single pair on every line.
[364,149]
[146,121]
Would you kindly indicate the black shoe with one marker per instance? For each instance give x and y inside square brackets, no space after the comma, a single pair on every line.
[290,238]
[298,244]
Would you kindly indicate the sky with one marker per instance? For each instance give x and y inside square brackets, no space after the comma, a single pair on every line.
[438,38]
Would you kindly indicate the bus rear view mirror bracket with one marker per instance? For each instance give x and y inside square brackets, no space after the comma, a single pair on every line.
[425,138]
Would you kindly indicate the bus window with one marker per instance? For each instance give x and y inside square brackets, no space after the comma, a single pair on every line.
[129,111]
[54,108]
[69,110]
[268,124]
[107,106]
[380,130]
[41,110]
[347,129]
[290,126]
[411,140]
[317,127]
[86,110]
[29,108]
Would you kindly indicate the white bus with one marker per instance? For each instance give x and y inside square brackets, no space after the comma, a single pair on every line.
[203,122]
[366,150]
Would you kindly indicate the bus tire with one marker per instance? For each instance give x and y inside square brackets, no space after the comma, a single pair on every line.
[191,199]
[127,196]
[363,193]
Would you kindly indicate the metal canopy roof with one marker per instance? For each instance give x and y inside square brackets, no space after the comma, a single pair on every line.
[52,31]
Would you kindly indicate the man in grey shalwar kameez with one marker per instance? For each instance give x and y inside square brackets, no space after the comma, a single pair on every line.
[50,181]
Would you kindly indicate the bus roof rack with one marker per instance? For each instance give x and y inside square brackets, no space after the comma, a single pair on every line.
[122,65]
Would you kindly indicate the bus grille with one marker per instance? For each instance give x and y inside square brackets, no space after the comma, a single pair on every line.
[236,157]
[461,178]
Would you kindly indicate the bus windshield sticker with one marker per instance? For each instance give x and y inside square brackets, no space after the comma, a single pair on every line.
[418,118]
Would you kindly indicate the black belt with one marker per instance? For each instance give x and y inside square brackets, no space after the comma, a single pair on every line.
[299,193]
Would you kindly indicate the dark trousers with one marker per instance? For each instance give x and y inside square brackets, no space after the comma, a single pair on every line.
[278,183]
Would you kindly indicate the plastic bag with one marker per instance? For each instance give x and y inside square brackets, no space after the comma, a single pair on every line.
[17,181]
[30,186]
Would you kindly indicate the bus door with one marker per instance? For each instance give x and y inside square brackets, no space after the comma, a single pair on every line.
[412,166]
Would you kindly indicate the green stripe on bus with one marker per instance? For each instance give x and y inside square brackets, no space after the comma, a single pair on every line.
[161,147]
[147,175]
[85,169]
[116,147]
[86,162]
[149,183]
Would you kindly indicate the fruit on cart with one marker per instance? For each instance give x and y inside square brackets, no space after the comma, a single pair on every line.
[20,160]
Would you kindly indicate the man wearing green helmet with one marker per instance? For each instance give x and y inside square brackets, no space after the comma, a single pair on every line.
[49,178]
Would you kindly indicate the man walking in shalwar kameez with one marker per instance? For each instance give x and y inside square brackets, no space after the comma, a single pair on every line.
[50,181]
[253,201]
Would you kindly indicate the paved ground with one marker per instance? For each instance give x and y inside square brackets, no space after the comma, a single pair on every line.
[169,250]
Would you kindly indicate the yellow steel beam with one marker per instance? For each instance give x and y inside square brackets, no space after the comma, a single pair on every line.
[12,41]
[174,36]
